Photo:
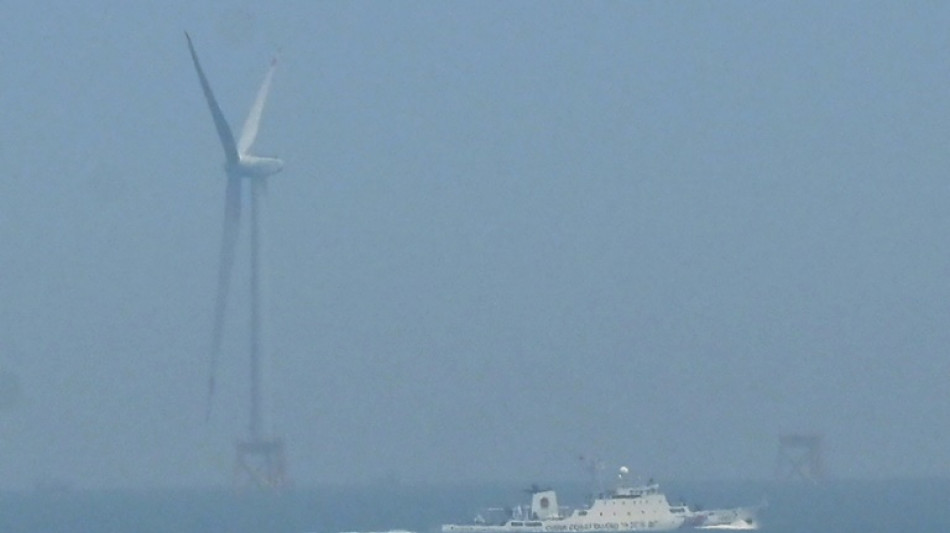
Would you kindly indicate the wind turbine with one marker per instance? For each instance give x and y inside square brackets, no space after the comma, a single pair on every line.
[240,166]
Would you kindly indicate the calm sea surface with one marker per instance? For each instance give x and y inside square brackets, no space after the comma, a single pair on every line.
[841,506]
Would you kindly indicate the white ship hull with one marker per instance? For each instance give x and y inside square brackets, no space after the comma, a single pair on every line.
[619,527]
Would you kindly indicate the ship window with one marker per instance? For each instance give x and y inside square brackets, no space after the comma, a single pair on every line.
[582,513]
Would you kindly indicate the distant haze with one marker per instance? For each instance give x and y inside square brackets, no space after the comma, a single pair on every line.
[506,235]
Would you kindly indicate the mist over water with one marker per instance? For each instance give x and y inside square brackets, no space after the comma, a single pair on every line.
[506,235]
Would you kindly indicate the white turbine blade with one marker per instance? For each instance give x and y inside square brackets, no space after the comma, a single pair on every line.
[249,131]
[232,223]
[224,131]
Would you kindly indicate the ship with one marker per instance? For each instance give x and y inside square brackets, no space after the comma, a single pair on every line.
[739,518]
[626,508]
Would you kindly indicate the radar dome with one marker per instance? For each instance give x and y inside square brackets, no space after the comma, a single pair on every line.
[624,470]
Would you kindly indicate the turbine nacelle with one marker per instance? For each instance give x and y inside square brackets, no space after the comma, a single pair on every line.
[252,166]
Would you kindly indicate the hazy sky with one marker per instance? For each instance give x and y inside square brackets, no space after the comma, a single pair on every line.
[506,234]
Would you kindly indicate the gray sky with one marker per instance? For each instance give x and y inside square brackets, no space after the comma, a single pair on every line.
[506,234]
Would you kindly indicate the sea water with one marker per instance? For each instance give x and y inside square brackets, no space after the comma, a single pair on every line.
[835,506]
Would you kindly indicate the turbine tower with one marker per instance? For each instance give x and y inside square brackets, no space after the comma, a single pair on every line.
[260,458]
